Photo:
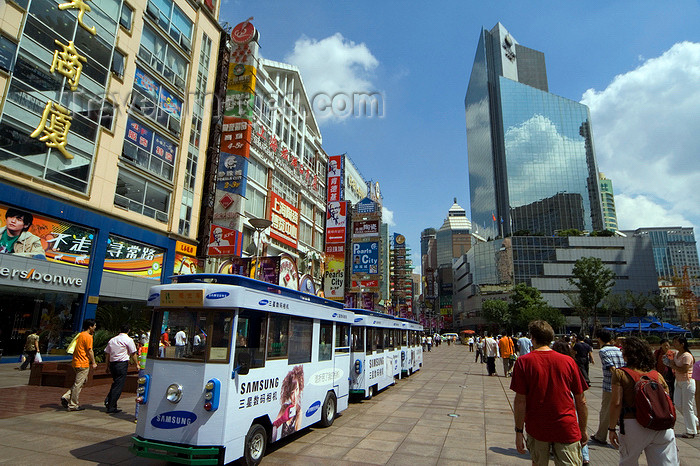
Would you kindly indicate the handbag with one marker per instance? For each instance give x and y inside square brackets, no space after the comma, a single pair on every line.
[71,346]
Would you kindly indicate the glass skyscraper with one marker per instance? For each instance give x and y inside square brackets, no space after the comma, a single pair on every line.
[532,166]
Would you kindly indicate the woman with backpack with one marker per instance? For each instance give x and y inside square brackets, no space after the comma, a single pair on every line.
[684,396]
[659,446]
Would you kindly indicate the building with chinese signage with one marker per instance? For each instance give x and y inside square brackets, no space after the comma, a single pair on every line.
[102,141]
[266,162]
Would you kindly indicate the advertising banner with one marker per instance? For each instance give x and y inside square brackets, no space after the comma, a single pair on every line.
[45,238]
[235,136]
[289,276]
[334,276]
[270,269]
[241,77]
[224,241]
[185,265]
[238,266]
[365,229]
[128,257]
[285,221]
[335,178]
[366,206]
[163,148]
[170,103]
[365,257]
[239,104]
[138,134]
[336,221]
[232,174]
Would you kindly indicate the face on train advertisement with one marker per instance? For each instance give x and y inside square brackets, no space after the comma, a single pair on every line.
[293,401]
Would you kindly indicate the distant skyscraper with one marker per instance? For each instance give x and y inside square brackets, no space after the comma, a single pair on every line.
[532,164]
[608,203]
[453,238]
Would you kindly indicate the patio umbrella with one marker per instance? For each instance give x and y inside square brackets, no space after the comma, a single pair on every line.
[468,332]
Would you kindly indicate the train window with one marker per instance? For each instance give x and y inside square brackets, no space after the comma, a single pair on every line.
[325,342]
[183,328]
[342,338]
[379,339]
[250,338]
[358,339]
[277,336]
[221,329]
[300,338]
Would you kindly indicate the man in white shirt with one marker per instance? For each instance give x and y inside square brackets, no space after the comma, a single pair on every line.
[119,351]
[491,350]
[180,343]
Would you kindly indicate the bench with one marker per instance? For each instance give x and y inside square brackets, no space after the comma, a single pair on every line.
[61,374]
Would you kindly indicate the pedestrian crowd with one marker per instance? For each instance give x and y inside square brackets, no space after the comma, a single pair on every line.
[644,393]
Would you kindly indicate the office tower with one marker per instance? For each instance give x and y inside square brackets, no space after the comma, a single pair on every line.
[532,166]
[607,203]
[102,129]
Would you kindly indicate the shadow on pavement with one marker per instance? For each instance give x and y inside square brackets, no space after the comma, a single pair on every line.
[509,452]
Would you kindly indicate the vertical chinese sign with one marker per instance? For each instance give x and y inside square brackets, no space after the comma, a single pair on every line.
[336,226]
[68,62]
[225,237]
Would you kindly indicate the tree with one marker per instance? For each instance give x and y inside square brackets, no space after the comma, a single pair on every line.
[658,303]
[497,311]
[573,300]
[527,305]
[615,305]
[594,281]
[638,303]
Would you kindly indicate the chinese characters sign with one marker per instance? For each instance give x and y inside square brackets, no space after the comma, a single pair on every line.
[131,258]
[285,221]
[335,178]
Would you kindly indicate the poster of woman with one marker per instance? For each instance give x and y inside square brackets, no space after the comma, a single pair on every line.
[289,417]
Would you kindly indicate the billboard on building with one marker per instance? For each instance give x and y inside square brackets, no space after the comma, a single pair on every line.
[335,178]
[129,257]
[334,276]
[365,257]
[336,222]
[365,229]
[285,221]
[224,241]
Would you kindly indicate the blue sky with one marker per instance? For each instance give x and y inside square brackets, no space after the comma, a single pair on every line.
[636,64]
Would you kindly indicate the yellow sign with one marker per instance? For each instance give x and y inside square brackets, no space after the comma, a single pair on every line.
[181,298]
[53,127]
[185,248]
[93,299]
[68,63]
[82,7]
[241,78]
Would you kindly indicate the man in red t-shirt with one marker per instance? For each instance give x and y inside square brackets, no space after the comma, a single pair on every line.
[544,382]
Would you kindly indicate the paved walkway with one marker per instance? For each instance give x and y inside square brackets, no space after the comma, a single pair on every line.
[450,412]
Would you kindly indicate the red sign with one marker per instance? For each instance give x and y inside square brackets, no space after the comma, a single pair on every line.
[224,241]
[366,283]
[336,220]
[365,228]
[243,32]
[335,178]
[210,5]
[285,221]
[235,136]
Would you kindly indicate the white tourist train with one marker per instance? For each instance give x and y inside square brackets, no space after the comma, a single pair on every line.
[250,363]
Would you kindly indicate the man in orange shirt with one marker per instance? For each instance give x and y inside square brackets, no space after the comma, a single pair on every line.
[507,349]
[83,359]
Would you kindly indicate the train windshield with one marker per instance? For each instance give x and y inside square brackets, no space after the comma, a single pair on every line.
[191,335]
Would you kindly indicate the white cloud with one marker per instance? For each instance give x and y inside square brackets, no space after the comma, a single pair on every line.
[334,70]
[644,126]
[630,209]
[388,217]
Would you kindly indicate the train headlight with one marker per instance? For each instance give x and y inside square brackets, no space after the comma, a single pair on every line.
[212,390]
[358,366]
[174,393]
[144,382]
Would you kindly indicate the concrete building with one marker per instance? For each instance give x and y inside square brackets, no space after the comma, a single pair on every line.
[607,203]
[491,269]
[532,165]
[102,140]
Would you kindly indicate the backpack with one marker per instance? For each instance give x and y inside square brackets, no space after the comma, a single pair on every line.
[653,408]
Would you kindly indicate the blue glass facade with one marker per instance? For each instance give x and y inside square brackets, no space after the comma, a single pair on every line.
[532,165]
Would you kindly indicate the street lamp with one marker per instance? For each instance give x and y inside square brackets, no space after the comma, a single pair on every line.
[260,224]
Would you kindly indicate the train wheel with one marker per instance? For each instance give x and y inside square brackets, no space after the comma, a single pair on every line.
[328,410]
[255,444]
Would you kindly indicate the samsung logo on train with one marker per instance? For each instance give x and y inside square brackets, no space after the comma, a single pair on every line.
[173,419]
[218,295]
[313,408]
[153,296]
[273,303]
[340,316]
